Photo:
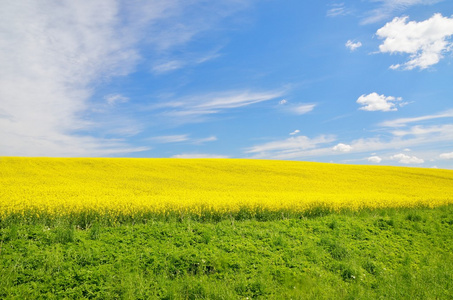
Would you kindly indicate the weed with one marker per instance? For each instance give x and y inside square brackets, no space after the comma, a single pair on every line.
[64,233]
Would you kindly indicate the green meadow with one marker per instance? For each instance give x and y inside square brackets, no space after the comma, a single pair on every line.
[368,254]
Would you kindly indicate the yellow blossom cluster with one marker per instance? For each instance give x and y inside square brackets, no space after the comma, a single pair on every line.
[130,186]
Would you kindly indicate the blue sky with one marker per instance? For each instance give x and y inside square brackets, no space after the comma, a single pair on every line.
[359,82]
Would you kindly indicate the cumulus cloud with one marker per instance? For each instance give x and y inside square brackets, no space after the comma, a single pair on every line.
[281,102]
[424,41]
[375,102]
[406,159]
[374,159]
[295,132]
[353,46]
[446,155]
[342,147]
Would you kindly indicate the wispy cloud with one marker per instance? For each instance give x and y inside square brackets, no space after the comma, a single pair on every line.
[113,99]
[199,155]
[182,138]
[52,56]
[296,108]
[167,66]
[404,121]
[193,108]
[425,41]
[388,8]
[170,138]
[302,147]
[338,9]
[424,130]
[211,138]
[288,148]
[301,109]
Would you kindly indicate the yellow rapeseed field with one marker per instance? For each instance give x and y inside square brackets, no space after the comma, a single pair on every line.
[117,186]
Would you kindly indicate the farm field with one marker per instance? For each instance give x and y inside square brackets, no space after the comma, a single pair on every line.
[223,229]
[140,189]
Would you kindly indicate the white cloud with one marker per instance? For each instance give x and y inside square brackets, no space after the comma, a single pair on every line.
[406,159]
[281,102]
[353,46]
[404,121]
[168,66]
[211,138]
[338,9]
[446,155]
[293,148]
[165,139]
[289,148]
[198,155]
[235,100]
[374,159]
[301,109]
[115,98]
[193,108]
[52,56]
[424,41]
[170,138]
[375,102]
[388,8]
[395,67]
[292,143]
[424,130]
[295,132]
[342,148]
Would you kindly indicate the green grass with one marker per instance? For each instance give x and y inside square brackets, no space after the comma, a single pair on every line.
[369,254]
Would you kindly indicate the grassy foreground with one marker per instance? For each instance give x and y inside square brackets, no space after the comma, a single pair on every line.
[223,229]
[368,254]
